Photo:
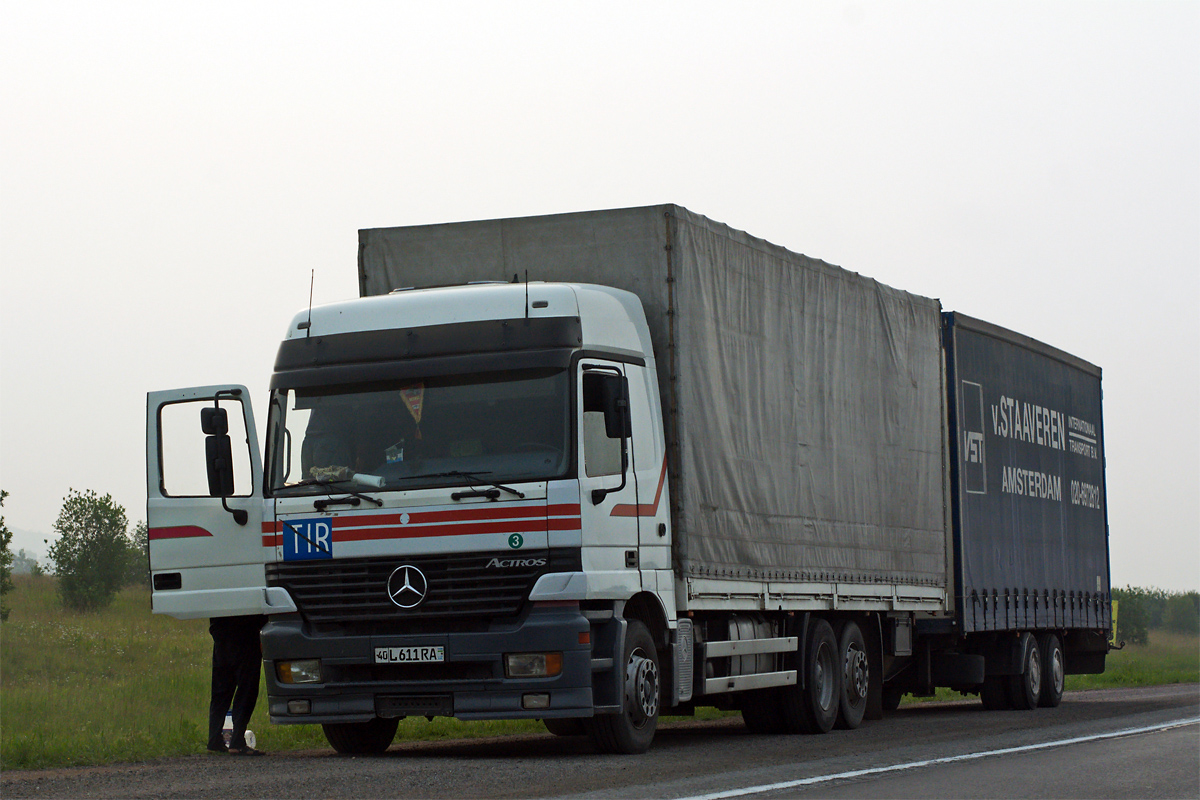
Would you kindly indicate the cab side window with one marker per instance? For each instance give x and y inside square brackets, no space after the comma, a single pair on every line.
[601,455]
[181,449]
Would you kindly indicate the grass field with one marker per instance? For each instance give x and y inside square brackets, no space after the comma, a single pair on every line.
[126,685]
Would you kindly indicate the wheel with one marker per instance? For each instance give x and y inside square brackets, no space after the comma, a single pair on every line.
[994,693]
[632,730]
[1025,689]
[891,697]
[762,713]
[856,677]
[565,726]
[813,707]
[361,738]
[1053,670]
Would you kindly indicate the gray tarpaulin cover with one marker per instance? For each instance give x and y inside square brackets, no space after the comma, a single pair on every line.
[808,439]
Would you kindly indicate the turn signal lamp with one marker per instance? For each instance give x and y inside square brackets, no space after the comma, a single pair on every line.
[305,671]
[532,665]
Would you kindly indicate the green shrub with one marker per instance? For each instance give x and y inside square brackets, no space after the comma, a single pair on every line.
[6,560]
[91,554]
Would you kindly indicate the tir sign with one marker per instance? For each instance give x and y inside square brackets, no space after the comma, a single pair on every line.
[307,539]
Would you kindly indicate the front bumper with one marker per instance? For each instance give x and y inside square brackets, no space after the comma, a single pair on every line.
[469,684]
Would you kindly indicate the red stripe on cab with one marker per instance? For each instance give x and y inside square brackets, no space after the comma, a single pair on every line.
[177,532]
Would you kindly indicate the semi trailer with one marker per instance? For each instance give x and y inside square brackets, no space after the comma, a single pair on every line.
[595,468]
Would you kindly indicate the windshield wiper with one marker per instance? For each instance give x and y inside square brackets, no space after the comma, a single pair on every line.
[352,495]
[474,477]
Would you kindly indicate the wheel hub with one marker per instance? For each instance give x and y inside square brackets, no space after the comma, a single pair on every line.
[1035,674]
[857,673]
[641,688]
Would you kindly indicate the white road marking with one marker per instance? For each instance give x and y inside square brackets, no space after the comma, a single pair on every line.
[858,773]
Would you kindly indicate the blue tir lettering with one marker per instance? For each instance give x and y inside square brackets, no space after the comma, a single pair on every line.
[307,539]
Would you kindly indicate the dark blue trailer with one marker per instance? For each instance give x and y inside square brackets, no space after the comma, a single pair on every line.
[1027,482]
[1029,527]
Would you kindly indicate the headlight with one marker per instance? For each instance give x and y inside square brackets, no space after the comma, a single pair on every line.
[532,665]
[305,671]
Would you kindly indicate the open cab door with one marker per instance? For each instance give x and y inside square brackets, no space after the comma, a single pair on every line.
[204,505]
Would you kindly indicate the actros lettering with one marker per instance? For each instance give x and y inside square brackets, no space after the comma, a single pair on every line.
[509,563]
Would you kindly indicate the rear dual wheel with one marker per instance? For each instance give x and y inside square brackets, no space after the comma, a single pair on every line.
[813,706]
[1053,670]
[836,678]
[856,677]
[1040,681]
[1025,689]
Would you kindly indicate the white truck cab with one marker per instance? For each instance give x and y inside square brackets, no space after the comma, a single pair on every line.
[449,473]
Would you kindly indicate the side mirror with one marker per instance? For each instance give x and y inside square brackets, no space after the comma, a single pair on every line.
[218,451]
[611,394]
[614,399]
[218,455]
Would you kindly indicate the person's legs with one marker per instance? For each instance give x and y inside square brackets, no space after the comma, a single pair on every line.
[247,673]
[224,682]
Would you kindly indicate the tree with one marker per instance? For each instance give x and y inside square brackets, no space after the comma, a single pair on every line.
[1183,613]
[6,558]
[23,563]
[91,555]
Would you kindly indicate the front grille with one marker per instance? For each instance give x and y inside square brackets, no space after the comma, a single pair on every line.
[349,595]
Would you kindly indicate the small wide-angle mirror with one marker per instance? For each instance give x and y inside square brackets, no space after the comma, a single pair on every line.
[214,421]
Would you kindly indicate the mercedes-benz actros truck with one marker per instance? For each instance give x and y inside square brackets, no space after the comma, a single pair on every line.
[595,468]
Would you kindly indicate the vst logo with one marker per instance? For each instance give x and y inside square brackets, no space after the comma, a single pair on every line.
[511,563]
[307,539]
[974,447]
[974,459]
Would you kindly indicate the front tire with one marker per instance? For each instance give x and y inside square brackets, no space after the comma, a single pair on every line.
[1053,671]
[632,730]
[814,708]
[361,738]
[565,726]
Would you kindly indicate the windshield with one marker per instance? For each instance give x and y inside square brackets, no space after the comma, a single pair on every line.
[438,431]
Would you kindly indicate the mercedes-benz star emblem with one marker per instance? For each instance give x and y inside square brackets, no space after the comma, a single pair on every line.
[406,586]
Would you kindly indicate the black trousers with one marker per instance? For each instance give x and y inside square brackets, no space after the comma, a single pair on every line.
[236,660]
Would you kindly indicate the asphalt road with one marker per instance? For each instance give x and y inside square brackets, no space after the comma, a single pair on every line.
[942,750]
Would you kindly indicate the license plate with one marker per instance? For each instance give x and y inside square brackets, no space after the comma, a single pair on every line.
[409,655]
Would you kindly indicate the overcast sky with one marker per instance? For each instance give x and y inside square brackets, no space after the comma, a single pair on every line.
[171,174]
